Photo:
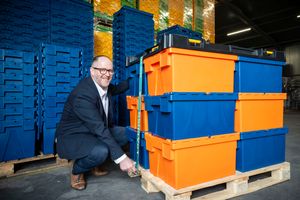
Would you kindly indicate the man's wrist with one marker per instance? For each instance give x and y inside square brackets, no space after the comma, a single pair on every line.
[117,161]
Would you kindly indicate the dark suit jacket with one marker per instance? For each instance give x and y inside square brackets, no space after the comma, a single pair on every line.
[84,121]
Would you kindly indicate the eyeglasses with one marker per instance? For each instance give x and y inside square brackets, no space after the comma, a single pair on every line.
[104,71]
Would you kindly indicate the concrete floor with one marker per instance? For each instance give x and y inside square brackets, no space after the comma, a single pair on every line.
[54,184]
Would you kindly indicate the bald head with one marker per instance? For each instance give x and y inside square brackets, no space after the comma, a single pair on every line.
[101,61]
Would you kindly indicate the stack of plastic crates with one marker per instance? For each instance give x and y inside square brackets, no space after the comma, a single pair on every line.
[72,25]
[23,24]
[133,33]
[179,30]
[61,69]
[17,104]
[259,109]
[209,113]
[26,24]
[190,106]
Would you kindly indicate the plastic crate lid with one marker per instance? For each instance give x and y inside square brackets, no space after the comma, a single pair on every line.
[260,61]
[261,96]
[161,143]
[263,133]
[127,8]
[191,96]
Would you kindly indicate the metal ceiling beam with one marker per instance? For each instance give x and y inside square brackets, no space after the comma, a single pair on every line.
[238,12]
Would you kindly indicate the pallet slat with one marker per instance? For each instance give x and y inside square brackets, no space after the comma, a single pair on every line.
[236,185]
[8,169]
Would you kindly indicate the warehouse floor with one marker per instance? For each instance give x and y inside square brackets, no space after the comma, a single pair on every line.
[54,184]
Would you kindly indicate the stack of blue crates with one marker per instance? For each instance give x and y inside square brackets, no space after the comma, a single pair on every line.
[179,30]
[72,25]
[133,33]
[260,75]
[23,24]
[26,24]
[61,69]
[17,104]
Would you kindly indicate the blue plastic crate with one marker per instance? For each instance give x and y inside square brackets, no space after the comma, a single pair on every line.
[258,75]
[25,67]
[53,112]
[189,115]
[131,13]
[179,30]
[144,156]
[48,138]
[124,116]
[132,72]
[17,122]
[54,91]
[53,81]
[51,123]
[52,70]
[54,101]
[29,91]
[16,144]
[257,149]
[10,88]
[55,50]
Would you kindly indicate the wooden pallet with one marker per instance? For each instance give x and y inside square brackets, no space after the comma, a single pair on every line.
[40,162]
[236,185]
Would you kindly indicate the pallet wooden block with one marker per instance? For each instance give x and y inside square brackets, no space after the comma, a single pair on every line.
[236,185]
[8,168]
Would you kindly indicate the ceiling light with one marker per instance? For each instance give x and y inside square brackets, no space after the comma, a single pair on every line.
[240,31]
[298,16]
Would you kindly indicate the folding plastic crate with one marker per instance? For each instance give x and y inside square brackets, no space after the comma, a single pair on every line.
[29,91]
[53,112]
[189,115]
[48,141]
[132,72]
[259,111]
[16,144]
[26,79]
[55,91]
[10,88]
[128,13]
[4,101]
[258,75]
[183,163]
[257,149]
[143,154]
[179,30]
[54,101]
[51,123]
[183,70]
[49,70]
[54,80]
[17,56]
[132,106]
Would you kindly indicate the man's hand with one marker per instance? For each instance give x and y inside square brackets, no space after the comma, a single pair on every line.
[127,165]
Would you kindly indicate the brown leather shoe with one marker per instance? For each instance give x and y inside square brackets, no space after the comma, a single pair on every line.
[78,182]
[99,171]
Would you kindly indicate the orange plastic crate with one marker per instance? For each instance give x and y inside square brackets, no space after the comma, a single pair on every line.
[132,106]
[183,163]
[183,70]
[258,111]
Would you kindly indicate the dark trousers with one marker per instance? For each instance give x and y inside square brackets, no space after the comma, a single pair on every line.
[99,153]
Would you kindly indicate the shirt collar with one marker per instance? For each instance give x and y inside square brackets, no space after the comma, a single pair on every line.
[101,91]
